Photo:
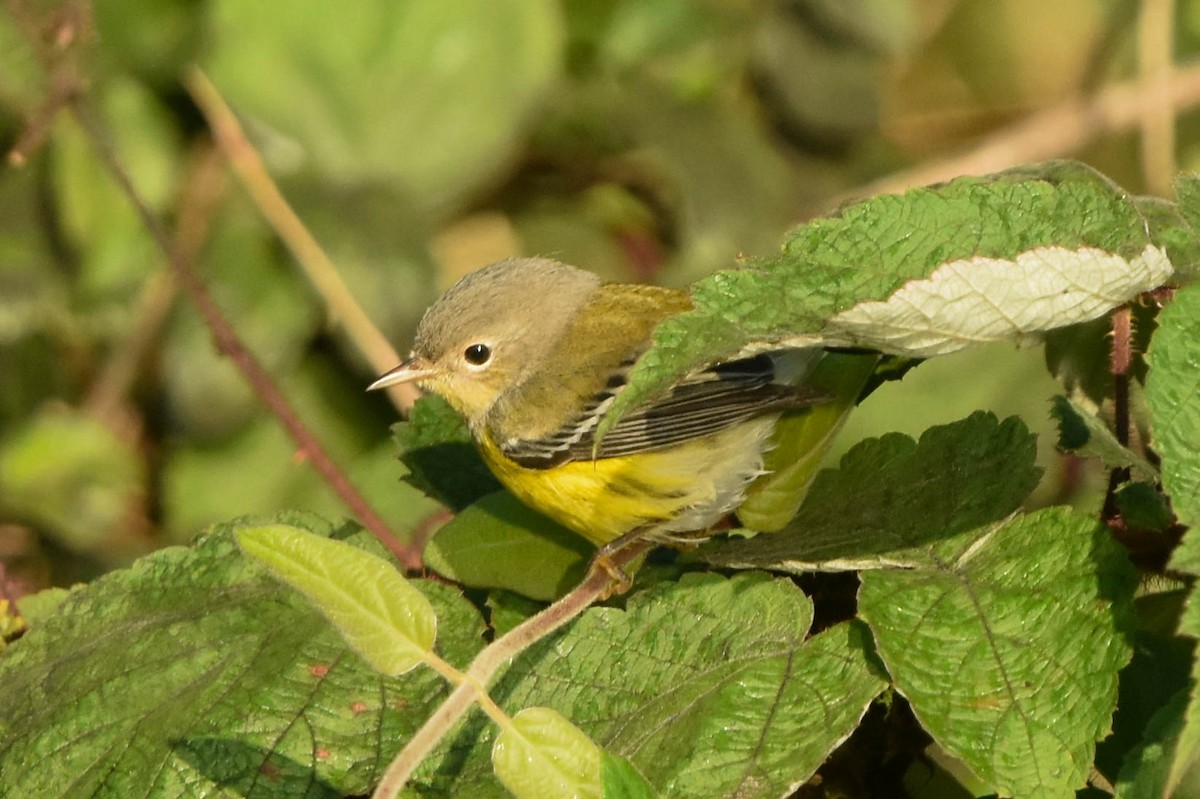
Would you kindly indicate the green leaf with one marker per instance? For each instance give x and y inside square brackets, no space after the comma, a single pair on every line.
[500,543]
[1171,228]
[22,77]
[277,317]
[708,686]
[927,272]
[1147,770]
[74,477]
[33,289]
[891,497]
[1143,506]
[204,480]
[1080,358]
[156,40]
[1187,193]
[1081,431]
[1173,395]
[1160,668]
[38,607]
[196,674]
[979,300]
[115,251]
[621,780]
[1186,558]
[379,614]
[393,65]
[543,756]
[1007,644]
[436,447]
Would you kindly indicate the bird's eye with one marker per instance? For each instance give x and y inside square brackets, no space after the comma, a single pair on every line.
[477,354]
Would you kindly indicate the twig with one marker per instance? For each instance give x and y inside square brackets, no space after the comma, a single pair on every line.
[1122,360]
[228,343]
[204,189]
[54,37]
[421,534]
[1120,363]
[58,56]
[39,124]
[343,308]
[594,588]
[1053,133]
[1156,35]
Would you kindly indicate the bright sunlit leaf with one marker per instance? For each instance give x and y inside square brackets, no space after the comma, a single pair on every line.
[379,614]
[544,756]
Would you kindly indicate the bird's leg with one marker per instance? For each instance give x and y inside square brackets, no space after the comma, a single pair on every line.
[605,560]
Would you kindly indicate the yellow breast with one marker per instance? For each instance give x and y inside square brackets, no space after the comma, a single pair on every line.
[676,490]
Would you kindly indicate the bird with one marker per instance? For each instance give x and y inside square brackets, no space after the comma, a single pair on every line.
[531,353]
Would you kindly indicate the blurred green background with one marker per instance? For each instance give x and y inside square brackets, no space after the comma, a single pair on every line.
[648,140]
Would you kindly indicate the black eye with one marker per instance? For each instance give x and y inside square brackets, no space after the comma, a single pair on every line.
[477,354]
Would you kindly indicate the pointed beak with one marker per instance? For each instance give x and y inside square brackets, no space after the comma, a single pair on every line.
[414,369]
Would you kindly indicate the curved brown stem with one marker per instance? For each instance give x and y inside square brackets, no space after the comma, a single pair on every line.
[227,342]
[595,587]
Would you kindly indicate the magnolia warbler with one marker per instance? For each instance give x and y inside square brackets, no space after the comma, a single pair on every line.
[532,352]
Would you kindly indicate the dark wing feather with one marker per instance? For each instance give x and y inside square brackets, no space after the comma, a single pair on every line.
[705,403]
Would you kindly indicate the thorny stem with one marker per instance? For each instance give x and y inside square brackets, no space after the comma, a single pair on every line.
[54,37]
[38,127]
[1120,363]
[421,534]
[1122,360]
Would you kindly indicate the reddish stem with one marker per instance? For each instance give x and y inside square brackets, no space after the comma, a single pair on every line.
[1120,362]
[227,343]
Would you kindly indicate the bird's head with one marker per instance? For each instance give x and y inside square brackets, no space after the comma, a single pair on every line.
[491,329]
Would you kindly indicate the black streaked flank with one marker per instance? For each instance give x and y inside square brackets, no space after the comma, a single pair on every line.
[701,405]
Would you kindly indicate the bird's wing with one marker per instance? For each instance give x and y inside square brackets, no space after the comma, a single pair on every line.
[702,404]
